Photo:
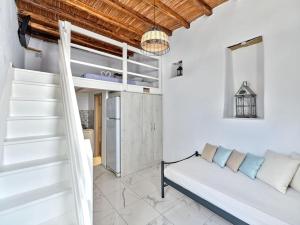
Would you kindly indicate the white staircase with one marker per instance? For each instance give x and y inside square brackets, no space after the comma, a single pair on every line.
[35,173]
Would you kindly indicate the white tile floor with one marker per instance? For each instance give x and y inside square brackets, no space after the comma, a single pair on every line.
[135,200]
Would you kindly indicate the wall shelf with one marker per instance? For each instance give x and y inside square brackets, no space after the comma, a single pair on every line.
[244,62]
[175,67]
[238,118]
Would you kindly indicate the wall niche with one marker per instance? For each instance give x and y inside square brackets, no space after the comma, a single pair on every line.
[244,62]
[177,69]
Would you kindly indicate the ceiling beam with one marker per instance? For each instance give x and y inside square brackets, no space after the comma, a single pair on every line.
[168,11]
[44,37]
[131,12]
[45,6]
[75,39]
[206,8]
[75,20]
[101,16]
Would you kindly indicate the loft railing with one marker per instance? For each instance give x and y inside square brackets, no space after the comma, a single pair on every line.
[148,70]
[80,151]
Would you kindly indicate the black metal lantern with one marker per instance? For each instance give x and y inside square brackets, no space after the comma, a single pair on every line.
[245,102]
[179,69]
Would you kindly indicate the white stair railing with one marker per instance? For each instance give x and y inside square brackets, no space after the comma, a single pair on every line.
[80,151]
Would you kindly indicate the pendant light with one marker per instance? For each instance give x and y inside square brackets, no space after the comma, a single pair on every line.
[155,41]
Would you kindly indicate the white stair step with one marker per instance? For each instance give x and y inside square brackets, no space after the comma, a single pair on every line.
[35,76]
[66,219]
[37,206]
[24,126]
[24,177]
[35,107]
[17,150]
[34,89]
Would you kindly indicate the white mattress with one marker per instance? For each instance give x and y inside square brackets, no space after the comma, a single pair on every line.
[252,201]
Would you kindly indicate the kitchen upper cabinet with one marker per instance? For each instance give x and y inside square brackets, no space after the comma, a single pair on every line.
[141,137]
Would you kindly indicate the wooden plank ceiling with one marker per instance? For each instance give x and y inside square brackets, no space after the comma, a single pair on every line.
[122,20]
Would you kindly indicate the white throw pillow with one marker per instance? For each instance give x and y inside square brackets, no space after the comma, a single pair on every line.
[278,170]
[296,180]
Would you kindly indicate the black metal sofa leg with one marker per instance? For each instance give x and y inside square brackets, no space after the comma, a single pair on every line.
[162,179]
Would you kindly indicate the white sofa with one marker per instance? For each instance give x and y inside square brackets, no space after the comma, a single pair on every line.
[252,201]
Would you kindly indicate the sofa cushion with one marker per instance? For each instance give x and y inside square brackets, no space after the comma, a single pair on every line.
[209,152]
[251,165]
[278,170]
[222,156]
[296,180]
[252,201]
[235,160]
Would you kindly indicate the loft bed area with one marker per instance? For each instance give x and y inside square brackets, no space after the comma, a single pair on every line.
[142,70]
[125,69]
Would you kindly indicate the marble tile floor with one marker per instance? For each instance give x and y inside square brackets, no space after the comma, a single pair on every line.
[135,200]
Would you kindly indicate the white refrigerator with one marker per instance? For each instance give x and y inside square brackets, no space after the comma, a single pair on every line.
[113,135]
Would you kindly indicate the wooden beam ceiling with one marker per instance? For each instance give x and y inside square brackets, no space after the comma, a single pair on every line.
[206,8]
[75,20]
[168,11]
[127,10]
[77,39]
[121,20]
[101,16]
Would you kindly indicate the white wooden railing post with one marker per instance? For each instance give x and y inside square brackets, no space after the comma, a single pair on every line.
[125,66]
[80,151]
[160,74]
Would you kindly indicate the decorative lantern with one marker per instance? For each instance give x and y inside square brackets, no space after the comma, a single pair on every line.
[179,69]
[155,41]
[245,102]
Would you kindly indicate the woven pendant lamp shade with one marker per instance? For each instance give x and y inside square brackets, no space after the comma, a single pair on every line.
[155,42]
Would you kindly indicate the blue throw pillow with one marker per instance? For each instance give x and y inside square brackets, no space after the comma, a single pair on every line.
[251,165]
[222,156]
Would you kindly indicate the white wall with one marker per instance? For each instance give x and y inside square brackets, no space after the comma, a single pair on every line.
[11,52]
[46,61]
[85,100]
[193,104]
[10,48]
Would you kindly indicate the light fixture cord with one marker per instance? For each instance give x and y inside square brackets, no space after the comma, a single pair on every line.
[154,13]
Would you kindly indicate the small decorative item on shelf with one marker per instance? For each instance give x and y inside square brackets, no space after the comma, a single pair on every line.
[179,69]
[245,102]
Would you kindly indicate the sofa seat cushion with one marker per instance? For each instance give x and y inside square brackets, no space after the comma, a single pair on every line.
[252,201]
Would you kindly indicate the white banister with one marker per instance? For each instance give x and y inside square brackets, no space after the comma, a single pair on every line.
[95,51]
[80,151]
[95,66]
[125,75]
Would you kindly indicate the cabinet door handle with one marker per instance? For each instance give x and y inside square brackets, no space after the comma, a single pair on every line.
[154,126]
